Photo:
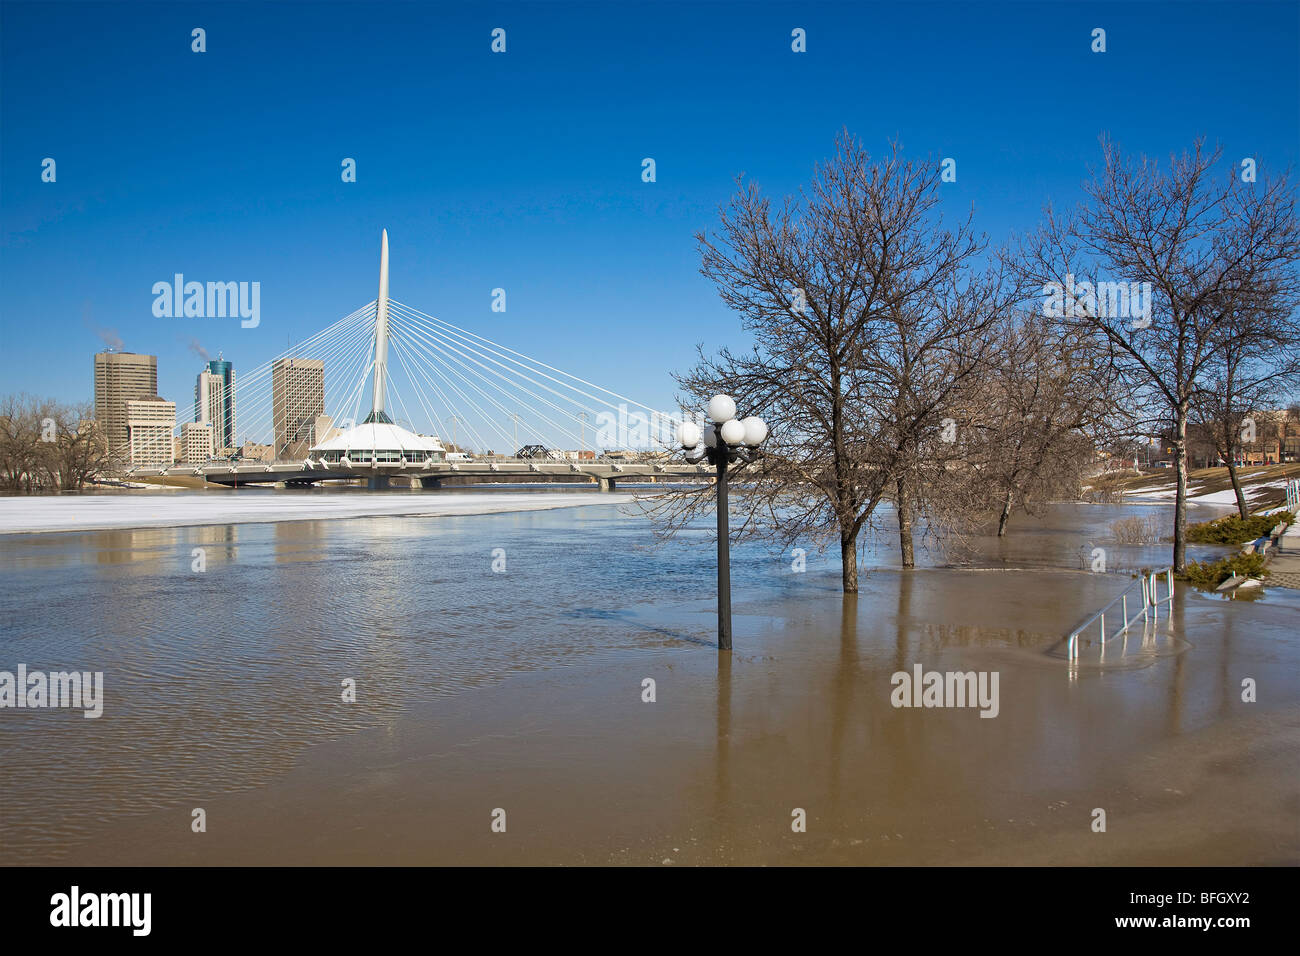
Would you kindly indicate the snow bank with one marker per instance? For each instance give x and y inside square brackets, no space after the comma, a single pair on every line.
[1225,497]
[106,512]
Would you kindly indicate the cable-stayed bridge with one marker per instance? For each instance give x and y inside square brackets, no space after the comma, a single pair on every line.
[391,390]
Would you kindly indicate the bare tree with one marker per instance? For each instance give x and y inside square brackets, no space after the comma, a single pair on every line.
[1256,363]
[1186,242]
[865,311]
[22,453]
[918,380]
[1045,406]
[79,450]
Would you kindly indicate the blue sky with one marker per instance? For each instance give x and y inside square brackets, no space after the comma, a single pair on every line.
[523,170]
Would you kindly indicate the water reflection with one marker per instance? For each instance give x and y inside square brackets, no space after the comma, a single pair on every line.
[722,753]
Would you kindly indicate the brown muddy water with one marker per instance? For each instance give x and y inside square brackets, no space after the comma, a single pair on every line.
[485,694]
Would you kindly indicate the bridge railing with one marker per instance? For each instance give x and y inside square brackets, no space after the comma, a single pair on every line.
[1149,610]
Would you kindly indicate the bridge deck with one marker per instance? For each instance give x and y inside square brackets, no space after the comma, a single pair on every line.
[603,471]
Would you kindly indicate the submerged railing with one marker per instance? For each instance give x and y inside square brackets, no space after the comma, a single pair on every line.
[1150,610]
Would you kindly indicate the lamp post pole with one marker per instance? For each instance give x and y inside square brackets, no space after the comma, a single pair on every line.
[727,440]
[724,554]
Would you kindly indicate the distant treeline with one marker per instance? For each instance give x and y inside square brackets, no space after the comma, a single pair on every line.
[48,447]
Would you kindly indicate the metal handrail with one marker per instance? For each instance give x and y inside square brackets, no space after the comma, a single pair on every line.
[1150,608]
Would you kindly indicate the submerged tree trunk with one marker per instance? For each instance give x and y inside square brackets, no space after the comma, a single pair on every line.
[849,563]
[1006,513]
[1236,488]
[905,523]
[1180,499]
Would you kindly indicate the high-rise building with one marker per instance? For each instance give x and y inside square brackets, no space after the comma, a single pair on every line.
[150,422]
[196,442]
[121,377]
[325,429]
[254,451]
[297,397]
[214,401]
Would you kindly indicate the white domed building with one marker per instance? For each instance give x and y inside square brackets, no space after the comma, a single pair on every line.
[379,443]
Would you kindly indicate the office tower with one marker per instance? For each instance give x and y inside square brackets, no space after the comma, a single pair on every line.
[325,429]
[150,422]
[197,442]
[254,451]
[121,377]
[297,397]
[214,401]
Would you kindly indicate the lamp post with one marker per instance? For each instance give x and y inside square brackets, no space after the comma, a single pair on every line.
[721,444]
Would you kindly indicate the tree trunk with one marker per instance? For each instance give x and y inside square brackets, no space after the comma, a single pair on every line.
[1180,499]
[905,523]
[1236,487]
[849,563]
[1006,513]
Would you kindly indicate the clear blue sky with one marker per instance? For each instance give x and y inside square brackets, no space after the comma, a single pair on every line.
[523,170]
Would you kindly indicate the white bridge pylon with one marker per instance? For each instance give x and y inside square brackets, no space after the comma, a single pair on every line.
[438,379]
[380,389]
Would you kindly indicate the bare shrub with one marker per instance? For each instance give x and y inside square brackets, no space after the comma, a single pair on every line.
[1135,530]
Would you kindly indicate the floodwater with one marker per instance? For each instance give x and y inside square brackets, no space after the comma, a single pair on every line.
[516,697]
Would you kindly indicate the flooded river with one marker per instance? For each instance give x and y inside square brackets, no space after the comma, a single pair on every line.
[500,665]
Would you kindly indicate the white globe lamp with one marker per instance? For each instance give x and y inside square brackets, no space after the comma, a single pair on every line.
[733,432]
[722,408]
[755,430]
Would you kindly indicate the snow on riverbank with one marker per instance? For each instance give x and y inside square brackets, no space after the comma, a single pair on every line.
[1223,497]
[26,515]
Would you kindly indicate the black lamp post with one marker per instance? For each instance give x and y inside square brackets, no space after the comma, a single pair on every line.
[725,441]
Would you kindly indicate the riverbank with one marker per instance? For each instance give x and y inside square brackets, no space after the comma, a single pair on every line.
[1263,485]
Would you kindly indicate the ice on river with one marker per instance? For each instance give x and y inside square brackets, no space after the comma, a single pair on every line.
[24,515]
